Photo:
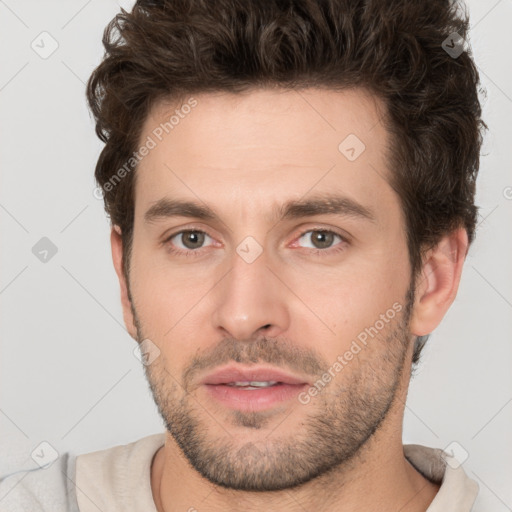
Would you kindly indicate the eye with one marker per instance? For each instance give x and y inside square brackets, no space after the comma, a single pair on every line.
[190,240]
[322,239]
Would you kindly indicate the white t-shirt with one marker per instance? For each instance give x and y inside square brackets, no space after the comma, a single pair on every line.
[118,479]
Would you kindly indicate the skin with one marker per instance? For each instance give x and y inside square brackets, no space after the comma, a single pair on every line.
[242,155]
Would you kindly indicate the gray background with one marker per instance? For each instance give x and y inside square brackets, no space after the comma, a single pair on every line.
[67,369]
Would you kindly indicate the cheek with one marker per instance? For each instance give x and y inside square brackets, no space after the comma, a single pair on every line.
[347,296]
[172,302]
[158,297]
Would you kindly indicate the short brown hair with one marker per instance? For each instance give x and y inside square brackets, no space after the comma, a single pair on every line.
[169,49]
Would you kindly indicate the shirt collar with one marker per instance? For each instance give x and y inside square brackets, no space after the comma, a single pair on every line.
[458,492]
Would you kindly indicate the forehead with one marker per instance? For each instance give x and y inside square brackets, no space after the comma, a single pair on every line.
[253,149]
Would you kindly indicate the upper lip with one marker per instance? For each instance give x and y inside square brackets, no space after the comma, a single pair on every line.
[229,374]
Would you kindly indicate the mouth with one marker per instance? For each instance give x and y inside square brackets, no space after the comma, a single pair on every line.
[252,389]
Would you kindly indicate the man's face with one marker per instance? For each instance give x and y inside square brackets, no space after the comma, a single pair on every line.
[250,289]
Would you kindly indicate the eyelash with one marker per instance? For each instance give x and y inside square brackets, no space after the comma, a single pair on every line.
[316,252]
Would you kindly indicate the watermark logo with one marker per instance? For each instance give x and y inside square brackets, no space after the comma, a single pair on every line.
[44,250]
[453,45]
[455,455]
[249,249]
[351,147]
[146,352]
[45,45]
[44,455]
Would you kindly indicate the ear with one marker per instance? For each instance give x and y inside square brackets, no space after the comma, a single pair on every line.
[438,281]
[117,257]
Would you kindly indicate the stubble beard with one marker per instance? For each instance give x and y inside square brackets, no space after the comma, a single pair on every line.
[343,416]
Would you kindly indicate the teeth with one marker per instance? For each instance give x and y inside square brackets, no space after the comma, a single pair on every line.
[254,384]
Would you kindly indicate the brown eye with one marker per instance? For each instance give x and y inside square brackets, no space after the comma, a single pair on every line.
[321,239]
[191,239]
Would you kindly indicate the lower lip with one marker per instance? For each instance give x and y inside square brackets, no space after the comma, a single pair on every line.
[253,399]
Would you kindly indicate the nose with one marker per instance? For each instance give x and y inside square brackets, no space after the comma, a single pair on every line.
[251,301]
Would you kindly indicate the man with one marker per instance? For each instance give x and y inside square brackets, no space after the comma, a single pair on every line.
[291,191]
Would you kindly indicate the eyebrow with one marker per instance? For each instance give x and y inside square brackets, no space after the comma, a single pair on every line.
[325,204]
